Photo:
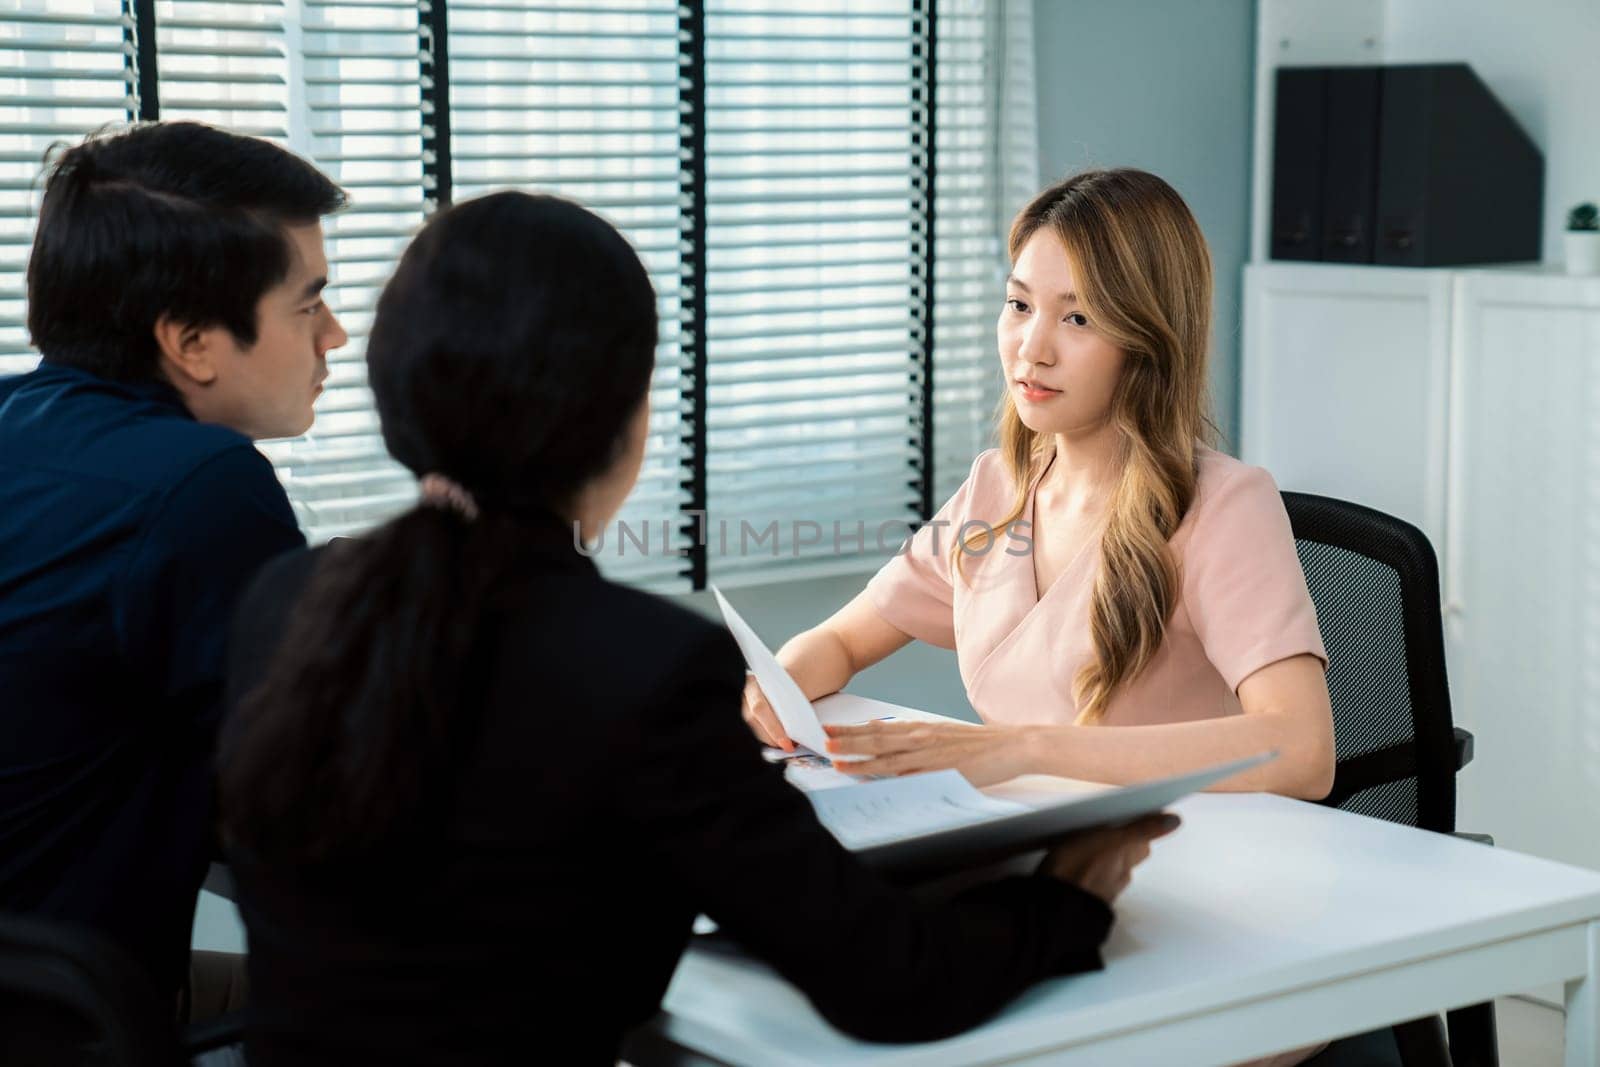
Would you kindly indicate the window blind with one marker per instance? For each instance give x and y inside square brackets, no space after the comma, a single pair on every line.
[814,398]
[357,90]
[65,68]
[971,217]
[767,160]
[224,64]
[582,100]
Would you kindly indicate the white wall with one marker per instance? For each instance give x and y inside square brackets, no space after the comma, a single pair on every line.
[1165,85]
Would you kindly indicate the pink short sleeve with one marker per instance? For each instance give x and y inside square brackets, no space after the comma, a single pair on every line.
[1242,583]
[913,591]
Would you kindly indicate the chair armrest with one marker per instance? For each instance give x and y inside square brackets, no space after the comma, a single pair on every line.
[1481,839]
[226,1029]
[1463,747]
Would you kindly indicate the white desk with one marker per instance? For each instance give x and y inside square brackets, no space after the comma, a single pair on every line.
[1264,924]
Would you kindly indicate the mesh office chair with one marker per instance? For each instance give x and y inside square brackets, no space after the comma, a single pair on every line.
[70,997]
[1375,583]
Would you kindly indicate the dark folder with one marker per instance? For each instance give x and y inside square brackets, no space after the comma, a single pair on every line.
[939,852]
[1413,165]
[1460,181]
[1350,165]
[1297,164]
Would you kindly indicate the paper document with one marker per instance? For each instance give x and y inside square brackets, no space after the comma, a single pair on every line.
[794,711]
[847,709]
[872,813]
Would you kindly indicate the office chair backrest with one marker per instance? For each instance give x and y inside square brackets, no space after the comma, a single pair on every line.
[1375,583]
[68,996]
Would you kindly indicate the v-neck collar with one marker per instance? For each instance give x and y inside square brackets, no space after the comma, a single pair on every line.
[1030,510]
[1006,602]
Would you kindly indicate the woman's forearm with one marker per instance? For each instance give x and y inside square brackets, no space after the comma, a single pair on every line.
[1123,755]
[818,661]
[822,659]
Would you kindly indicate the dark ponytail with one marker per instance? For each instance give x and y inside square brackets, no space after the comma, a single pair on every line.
[509,352]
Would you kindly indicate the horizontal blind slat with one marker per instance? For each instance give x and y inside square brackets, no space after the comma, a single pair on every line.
[73,75]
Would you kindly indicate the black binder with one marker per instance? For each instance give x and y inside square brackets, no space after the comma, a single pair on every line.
[1409,165]
[1459,179]
[1297,164]
[1350,165]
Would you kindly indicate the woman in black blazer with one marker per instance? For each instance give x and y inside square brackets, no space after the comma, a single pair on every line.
[474,794]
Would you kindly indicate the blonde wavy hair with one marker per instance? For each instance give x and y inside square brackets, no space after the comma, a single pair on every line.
[1142,272]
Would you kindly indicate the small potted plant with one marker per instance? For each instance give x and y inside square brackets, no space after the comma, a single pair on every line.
[1583,240]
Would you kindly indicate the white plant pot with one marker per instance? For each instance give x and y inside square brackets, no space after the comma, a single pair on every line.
[1583,251]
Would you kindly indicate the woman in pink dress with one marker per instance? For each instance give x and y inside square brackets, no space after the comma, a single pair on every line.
[1124,601]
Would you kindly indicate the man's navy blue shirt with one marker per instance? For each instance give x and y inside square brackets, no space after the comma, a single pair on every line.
[127,532]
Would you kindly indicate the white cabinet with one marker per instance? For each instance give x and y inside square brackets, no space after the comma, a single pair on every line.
[1344,384]
[1522,578]
[1468,403]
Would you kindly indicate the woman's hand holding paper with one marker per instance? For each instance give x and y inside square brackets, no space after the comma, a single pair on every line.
[760,717]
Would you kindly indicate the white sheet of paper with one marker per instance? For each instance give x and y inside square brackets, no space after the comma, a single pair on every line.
[889,809]
[794,711]
[847,709]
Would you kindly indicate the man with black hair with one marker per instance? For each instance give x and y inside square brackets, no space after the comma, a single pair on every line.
[175,294]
